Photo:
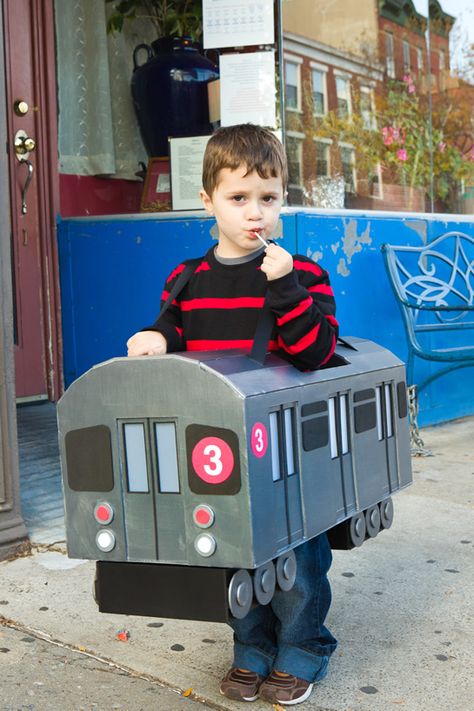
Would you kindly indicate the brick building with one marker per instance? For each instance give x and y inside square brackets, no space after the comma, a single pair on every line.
[339,59]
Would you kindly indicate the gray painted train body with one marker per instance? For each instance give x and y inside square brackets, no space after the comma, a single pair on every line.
[212,460]
[345,455]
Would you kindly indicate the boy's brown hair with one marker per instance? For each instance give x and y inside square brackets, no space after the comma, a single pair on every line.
[255,147]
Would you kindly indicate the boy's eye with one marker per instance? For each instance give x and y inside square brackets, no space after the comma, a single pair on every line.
[269,198]
[237,198]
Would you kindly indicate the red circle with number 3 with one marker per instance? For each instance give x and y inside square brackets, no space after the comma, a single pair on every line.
[259,439]
[213,460]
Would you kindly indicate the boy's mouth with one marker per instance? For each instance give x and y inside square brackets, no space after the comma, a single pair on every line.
[257,234]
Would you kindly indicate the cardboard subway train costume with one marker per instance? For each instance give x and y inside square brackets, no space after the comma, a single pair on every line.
[191,477]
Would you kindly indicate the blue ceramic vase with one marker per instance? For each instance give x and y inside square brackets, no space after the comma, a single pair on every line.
[169,92]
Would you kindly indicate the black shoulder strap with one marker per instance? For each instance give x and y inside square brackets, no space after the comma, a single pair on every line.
[180,283]
[265,323]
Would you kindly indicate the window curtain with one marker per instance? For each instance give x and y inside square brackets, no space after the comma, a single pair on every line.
[98,130]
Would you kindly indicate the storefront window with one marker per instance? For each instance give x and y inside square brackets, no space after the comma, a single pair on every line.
[385,97]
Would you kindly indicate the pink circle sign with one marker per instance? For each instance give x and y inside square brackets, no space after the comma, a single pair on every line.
[259,439]
[213,460]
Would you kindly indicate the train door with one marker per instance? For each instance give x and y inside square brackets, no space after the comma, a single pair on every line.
[376,446]
[386,430]
[153,504]
[285,472]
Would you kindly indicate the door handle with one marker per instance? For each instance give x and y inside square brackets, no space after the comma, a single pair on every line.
[26,185]
[24,144]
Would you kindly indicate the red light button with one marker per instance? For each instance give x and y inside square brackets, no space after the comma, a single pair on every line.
[103,513]
[203,516]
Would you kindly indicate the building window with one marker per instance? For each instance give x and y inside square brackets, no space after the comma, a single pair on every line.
[389,60]
[348,168]
[343,97]
[375,181]
[322,158]
[366,106]
[442,61]
[406,56]
[292,85]
[294,154]
[318,82]
[419,59]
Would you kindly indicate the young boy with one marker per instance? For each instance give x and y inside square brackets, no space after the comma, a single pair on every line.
[282,648]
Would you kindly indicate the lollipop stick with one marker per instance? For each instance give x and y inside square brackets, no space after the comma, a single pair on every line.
[263,241]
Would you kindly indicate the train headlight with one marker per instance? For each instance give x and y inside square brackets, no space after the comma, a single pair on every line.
[203,516]
[105,540]
[205,544]
[103,513]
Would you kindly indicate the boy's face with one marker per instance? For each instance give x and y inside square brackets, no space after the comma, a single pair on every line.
[241,205]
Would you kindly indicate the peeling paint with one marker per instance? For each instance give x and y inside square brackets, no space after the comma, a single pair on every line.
[419,226]
[352,243]
[278,231]
[342,267]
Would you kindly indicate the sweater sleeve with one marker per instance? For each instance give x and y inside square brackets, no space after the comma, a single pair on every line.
[304,307]
[170,323]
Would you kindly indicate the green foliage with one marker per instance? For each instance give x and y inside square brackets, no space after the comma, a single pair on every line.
[169,17]
[409,149]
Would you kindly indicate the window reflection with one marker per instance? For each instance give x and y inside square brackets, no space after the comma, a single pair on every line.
[374,106]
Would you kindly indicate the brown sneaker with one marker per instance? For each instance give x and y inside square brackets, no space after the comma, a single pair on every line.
[284,689]
[241,685]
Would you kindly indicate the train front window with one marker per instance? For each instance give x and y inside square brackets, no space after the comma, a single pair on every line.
[135,457]
[165,438]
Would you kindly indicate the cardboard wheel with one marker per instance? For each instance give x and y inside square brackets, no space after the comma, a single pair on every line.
[240,594]
[372,521]
[357,529]
[386,513]
[264,583]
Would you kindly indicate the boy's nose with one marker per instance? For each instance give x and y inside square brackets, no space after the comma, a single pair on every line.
[254,211]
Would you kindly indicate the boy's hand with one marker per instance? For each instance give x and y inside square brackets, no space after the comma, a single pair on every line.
[277,262]
[146,343]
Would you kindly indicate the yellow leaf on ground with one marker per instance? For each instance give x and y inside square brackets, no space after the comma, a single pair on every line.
[188,692]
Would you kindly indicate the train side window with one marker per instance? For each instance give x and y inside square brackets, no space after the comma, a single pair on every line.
[365,414]
[402,399]
[378,406]
[388,409]
[275,446]
[135,457]
[343,414]
[315,430]
[289,438]
[332,428]
[167,456]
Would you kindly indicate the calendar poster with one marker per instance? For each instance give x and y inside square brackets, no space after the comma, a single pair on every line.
[237,23]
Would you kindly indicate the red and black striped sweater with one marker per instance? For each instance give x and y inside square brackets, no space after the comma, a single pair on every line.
[219,306]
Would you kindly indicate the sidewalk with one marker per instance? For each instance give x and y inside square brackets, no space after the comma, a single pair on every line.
[402,612]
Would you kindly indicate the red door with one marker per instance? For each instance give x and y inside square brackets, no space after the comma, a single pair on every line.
[32,150]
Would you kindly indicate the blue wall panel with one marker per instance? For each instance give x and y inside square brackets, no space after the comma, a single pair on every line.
[112,273]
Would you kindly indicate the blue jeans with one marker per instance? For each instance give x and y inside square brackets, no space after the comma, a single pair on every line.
[289,634]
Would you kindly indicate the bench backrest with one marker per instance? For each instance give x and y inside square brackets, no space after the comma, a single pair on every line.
[434,284]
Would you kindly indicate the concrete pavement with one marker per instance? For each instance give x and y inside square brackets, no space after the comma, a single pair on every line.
[402,611]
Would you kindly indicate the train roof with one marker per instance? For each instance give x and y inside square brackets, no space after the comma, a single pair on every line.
[353,356]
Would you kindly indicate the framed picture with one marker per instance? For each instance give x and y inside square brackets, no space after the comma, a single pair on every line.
[156,196]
